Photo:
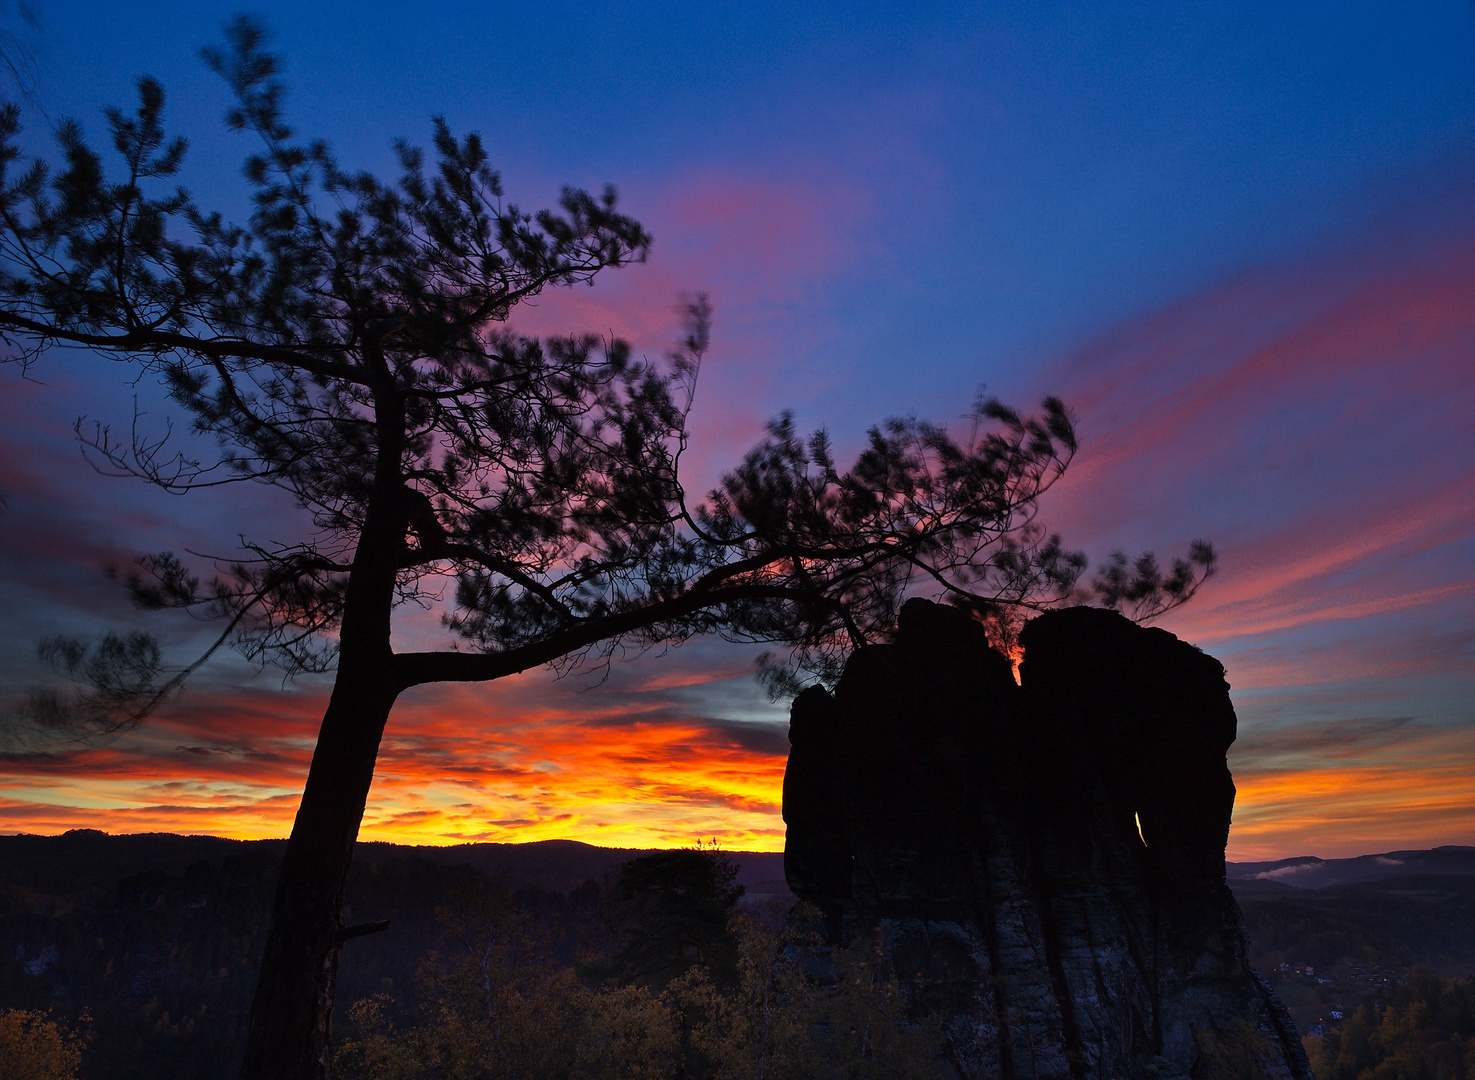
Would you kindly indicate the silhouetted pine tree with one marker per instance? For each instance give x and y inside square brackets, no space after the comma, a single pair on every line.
[346,345]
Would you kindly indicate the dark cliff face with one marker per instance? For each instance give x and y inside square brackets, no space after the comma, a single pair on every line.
[1042,864]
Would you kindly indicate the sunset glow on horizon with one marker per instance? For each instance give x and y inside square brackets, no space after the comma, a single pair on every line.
[1248,268]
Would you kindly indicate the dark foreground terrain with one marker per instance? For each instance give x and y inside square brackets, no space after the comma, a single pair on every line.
[1332,934]
[155,938]
[1328,951]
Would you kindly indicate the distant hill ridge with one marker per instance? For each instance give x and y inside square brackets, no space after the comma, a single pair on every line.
[1309,872]
[83,858]
[81,855]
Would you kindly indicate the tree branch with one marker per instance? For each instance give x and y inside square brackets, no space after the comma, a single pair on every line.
[412,669]
[142,341]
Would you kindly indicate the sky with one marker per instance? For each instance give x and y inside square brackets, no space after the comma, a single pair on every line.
[1238,240]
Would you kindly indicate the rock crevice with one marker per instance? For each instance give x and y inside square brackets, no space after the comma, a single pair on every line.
[1041,864]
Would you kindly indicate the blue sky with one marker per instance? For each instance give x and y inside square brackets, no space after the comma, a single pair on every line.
[1237,238]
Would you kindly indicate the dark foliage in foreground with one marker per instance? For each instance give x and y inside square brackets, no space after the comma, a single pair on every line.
[157,938]
[161,966]
[1425,1030]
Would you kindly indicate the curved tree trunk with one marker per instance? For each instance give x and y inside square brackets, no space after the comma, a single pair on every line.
[290,1036]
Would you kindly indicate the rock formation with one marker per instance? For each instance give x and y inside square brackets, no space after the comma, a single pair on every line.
[1040,863]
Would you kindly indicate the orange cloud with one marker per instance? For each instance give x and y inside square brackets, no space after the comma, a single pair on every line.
[454,767]
[1348,809]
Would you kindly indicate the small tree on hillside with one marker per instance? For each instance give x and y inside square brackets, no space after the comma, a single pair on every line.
[346,347]
[673,907]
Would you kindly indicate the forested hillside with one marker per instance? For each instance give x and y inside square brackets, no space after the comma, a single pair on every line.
[155,940]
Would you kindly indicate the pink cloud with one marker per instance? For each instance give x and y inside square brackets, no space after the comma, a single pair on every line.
[1314,421]
[764,249]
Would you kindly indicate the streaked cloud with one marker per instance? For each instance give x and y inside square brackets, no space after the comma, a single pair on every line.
[1300,391]
[1342,579]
